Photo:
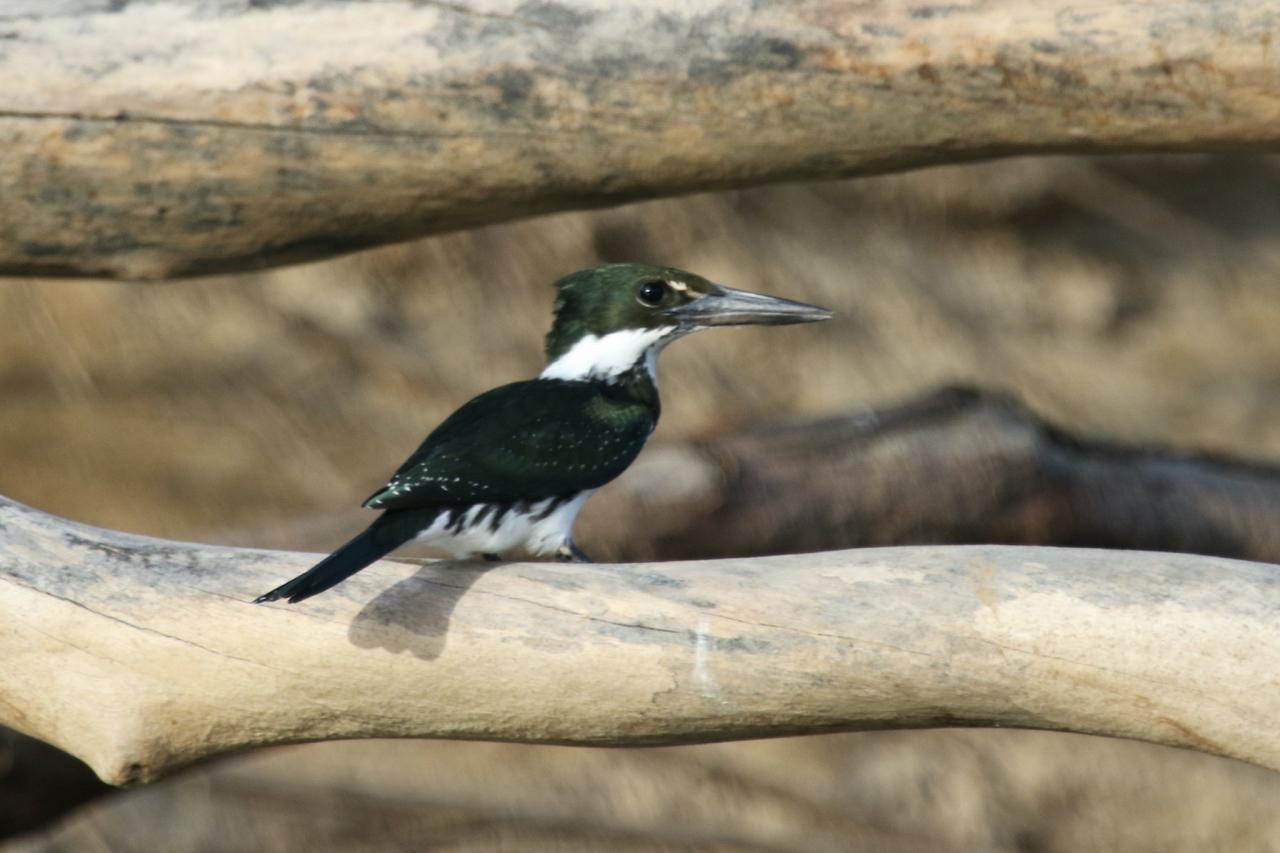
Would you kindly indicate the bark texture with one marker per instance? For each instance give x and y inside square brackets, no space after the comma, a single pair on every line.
[141,655]
[153,139]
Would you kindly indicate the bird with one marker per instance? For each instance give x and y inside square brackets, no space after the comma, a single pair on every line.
[511,468]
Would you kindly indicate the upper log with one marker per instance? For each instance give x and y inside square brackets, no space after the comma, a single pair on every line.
[140,655]
[154,139]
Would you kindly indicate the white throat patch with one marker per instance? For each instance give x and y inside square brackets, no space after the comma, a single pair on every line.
[606,357]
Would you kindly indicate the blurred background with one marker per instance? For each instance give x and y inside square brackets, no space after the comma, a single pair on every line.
[1133,299]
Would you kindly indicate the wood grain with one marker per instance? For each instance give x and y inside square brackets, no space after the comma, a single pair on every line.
[154,139]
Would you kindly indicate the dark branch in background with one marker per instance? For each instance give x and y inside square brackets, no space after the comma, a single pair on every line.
[181,142]
[957,466]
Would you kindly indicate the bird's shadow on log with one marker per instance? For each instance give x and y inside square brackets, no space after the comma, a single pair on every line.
[413,615]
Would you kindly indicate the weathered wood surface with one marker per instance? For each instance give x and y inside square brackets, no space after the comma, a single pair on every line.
[150,139]
[141,655]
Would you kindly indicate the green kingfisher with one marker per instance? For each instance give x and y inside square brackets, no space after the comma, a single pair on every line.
[511,468]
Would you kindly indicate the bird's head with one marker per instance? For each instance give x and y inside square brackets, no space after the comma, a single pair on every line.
[612,318]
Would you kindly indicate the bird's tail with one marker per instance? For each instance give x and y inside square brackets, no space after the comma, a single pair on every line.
[391,530]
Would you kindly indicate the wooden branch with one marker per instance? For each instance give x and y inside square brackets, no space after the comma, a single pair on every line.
[140,655]
[955,466]
[145,140]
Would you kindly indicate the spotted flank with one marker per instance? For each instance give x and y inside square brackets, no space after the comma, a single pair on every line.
[404,485]
[539,527]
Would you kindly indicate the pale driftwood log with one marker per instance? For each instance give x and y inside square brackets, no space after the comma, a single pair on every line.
[140,655]
[152,139]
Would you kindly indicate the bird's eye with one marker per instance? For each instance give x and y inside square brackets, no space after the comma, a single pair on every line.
[651,293]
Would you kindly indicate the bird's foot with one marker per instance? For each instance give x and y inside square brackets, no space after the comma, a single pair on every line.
[571,553]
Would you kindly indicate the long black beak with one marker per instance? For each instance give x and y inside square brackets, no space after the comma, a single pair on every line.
[728,307]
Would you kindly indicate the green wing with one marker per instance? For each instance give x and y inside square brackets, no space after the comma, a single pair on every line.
[523,441]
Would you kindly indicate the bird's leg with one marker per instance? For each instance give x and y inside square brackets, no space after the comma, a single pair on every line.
[571,553]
